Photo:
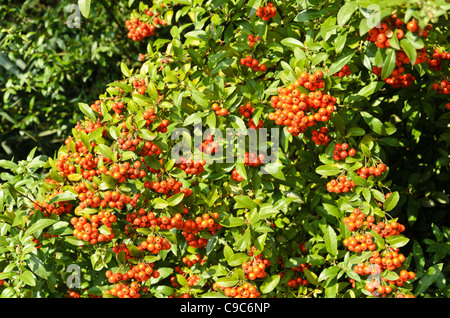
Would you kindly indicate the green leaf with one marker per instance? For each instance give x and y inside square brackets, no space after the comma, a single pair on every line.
[270,283]
[237,259]
[28,278]
[105,151]
[125,71]
[330,241]
[243,201]
[65,196]
[87,110]
[397,240]
[409,49]
[85,7]
[342,60]
[345,12]
[38,226]
[328,170]
[389,64]
[292,43]
[391,201]
[431,275]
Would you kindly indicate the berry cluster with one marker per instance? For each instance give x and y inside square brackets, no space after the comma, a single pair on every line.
[169,185]
[209,145]
[138,30]
[251,124]
[358,219]
[218,110]
[58,208]
[139,86]
[436,61]
[118,107]
[89,232]
[365,172]
[236,176]
[155,244]
[360,242]
[381,34]
[340,185]
[190,166]
[320,137]
[122,248]
[123,290]
[252,40]
[345,71]
[388,229]
[299,111]
[253,64]
[251,159]
[443,87]
[246,290]
[246,110]
[267,12]
[342,151]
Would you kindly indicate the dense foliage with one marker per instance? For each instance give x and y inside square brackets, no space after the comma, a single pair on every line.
[256,149]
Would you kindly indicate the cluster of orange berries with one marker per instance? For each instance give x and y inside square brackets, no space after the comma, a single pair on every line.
[252,40]
[138,30]
[87,126]
[443,87]
[140,272]
[122,247]
[140,86]
[169,185]
[256,266]
[191,228]
[360,242]
[320,137]
[388,229]
[58,208]
[66,163]
[342,151]
[156,19]
[297,282]
[253,64]
[246,110]
[123,290]
[236,176]
[73,294]
[345,71]
[438,56]
[124,171]
[209,145]
[340,185]
[391,260]
[88,231]
[267,12]
[299,111]
[381,34]
[220,111]
[365,172]
[191,261]
[246,290]
[155,244]
[111,199]
[118,107]
[191,166]
[358,219]
[251,159]
[251,124]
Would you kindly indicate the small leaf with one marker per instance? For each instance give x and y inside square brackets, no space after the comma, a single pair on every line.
[391,201]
